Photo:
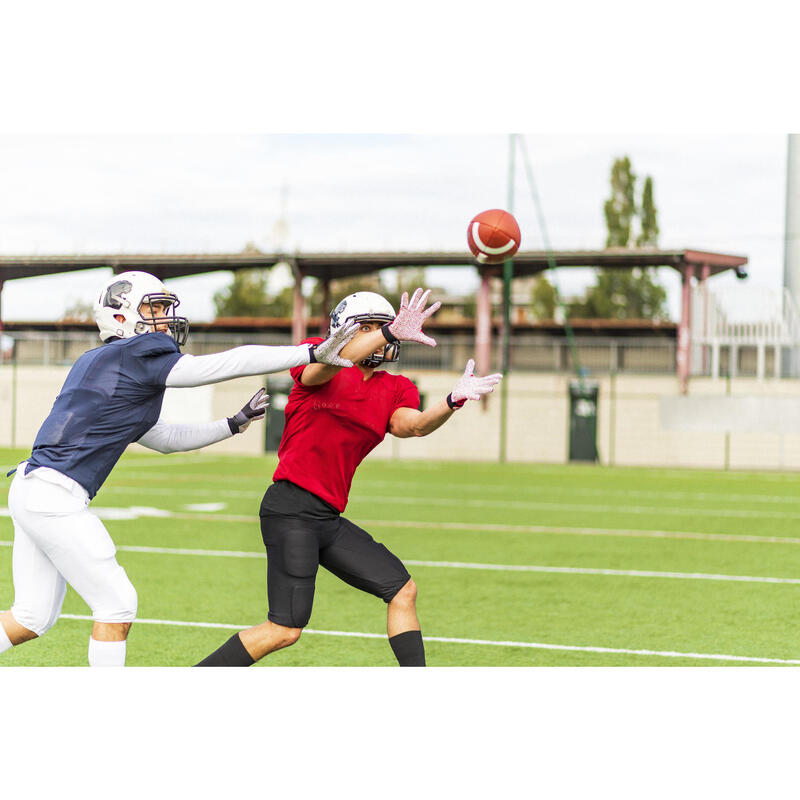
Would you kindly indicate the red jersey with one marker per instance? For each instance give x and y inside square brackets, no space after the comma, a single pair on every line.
[331,428]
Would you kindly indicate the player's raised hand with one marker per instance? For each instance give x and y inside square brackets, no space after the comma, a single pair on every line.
[469,387]
[327,352]
[255,409]
[407,325]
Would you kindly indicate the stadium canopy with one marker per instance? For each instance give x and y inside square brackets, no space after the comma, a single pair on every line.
[325,267]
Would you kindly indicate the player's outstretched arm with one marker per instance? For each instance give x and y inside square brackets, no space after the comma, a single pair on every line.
[407,422]
[252,359]
[165,437]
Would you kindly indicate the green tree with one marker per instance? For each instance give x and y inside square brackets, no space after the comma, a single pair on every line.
[620,208]
[648,217]
[79,311]
[408,280]
[543,299]
[622,294]
[245,296]
[626,294]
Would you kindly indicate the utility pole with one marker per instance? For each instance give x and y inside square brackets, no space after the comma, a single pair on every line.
[508,274]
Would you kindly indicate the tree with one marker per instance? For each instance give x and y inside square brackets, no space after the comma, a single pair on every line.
[626,294]
[620,208]
[245,296]
[543,299]
[648,217]
[79,311]
[622,294]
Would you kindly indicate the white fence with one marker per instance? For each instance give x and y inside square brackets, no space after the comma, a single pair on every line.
[745,328]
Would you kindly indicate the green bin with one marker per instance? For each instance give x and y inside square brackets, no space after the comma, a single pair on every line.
[278,389]
[583,420]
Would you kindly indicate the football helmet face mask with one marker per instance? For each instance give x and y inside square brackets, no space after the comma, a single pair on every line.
[366,307]
[125,294]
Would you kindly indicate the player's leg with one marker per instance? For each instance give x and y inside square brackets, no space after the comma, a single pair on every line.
[39,589]
[79,547]
[356,558]
[38,593]
[91,568]
[292,561]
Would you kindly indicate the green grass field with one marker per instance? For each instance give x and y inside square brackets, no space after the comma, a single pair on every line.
[517,565]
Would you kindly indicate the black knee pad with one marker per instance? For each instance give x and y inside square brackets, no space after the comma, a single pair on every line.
[301,603]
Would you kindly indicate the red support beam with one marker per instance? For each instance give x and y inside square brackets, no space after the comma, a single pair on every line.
[326,307]
[483,326]
[705,274]
[684,329]
[299,307]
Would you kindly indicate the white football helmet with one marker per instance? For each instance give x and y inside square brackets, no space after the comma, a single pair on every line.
[366,307]
[122,295]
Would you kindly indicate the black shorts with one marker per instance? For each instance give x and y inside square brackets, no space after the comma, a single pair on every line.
[301,532]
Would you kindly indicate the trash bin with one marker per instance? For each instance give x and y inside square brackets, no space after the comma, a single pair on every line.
[278,389]
[583,420]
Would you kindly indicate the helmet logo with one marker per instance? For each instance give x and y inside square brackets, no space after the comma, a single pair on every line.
[336,313]
[115,294]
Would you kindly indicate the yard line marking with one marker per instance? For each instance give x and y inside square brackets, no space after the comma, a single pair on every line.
[628,573]
[530,489]
[570,531]
[176,551]
[523,505]
[623,573]
[126,515]
[485,642]
[605,492]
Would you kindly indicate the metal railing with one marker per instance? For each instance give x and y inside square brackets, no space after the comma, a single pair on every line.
[529,352]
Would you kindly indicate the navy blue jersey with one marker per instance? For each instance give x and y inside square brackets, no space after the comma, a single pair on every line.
[111,397]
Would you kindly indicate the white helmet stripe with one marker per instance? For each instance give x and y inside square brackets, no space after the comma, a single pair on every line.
[492,251]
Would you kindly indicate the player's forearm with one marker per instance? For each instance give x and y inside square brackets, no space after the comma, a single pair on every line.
[239,362]
[364,345]
[430,419]
[356,351]
[166,438]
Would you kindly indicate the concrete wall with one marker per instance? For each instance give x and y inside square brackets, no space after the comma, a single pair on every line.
[633,427]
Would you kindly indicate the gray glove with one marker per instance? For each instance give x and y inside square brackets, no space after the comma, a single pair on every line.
[256,408]
[327,352]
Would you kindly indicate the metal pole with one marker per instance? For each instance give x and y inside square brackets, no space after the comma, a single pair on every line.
[14,397]
[508,274]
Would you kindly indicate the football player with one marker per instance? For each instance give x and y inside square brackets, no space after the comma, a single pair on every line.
[334,417]
[112,396]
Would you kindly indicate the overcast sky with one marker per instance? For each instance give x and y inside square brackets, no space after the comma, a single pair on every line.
[215,193]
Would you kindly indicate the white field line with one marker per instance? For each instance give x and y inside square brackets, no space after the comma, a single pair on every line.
[486,488]
[484,642]
[467,527]
[521,505]
[480,488]
[621,573]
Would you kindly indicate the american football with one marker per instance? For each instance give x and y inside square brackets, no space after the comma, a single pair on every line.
[493,236]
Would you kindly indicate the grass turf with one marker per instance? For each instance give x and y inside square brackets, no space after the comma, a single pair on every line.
[573,516]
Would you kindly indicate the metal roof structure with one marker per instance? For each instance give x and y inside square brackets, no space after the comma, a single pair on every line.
[328,266]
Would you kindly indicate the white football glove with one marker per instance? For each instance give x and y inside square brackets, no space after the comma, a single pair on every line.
[407,325]
[471,388]
[256,408]
[327,352]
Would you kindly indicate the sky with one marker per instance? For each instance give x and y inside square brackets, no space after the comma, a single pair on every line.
[145,193]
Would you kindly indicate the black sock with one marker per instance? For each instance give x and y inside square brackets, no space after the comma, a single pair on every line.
[231,654]
[408,649]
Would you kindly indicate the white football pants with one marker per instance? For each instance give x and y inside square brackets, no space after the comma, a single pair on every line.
[58,541]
